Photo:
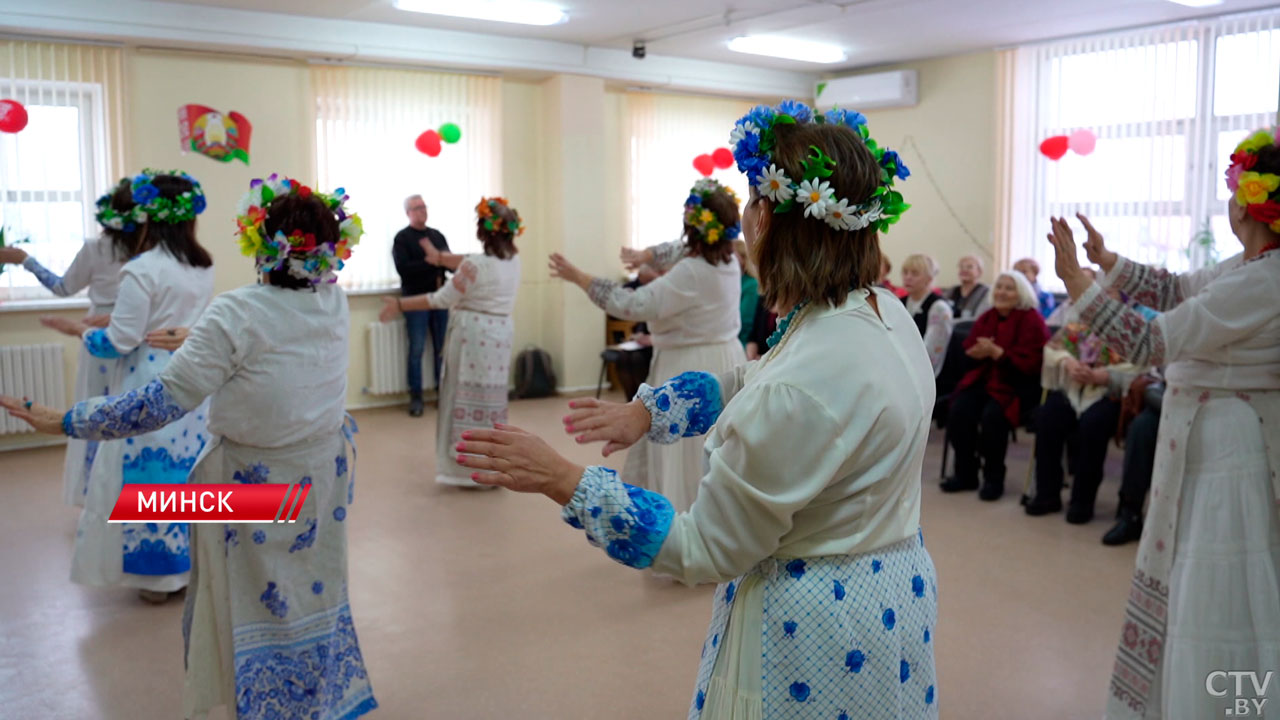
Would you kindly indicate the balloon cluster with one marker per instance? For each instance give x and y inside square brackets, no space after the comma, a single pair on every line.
[1081,141]
[13,116]
[706,164]
[429,142]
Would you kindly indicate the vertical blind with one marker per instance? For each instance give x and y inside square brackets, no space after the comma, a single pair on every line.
[367,120]
[1167,105]
[664,133]
[71,151]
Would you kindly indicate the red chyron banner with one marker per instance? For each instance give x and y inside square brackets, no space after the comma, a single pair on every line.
[266,503]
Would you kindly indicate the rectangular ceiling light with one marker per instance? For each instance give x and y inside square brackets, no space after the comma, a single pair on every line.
[1197,3]
[525,12]
[787,48]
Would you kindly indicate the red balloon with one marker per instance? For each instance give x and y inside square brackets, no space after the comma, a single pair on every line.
[704,165]
[428,143]
[13,116]
[1055,147]
[723,158]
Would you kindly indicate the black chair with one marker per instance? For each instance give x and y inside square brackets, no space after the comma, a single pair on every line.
[608,356]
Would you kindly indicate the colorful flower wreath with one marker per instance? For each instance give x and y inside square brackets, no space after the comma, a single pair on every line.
[1256,192]
[298,252]
[487,209]
[108,217]
[702,218]
[753,140]
[151,206]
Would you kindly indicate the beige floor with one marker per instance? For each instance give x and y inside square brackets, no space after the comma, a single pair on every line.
[485,605]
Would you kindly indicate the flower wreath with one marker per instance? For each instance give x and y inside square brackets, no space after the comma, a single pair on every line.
[487,208]
[702,218]
[297,252]
[753,143]
[1256,192]
[108,217]
[151,206]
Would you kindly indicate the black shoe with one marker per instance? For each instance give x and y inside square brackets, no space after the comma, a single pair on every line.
[955,484]
[1128,528]
[1044,506]
[1079,515]
[992,490]
[415,407]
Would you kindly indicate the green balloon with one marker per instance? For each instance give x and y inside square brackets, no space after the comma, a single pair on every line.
[450,133]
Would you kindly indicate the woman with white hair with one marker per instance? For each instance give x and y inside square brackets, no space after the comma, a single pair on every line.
[970,298]
[1007,342]
[931,313]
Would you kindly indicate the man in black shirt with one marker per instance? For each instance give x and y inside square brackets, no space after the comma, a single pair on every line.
[417,276]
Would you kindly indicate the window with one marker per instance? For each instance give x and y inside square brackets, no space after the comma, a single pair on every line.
[1167,105]
[52,171]
[367,120]
[664,134]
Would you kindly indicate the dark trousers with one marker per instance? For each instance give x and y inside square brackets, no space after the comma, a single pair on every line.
[633,369]
[1086,435]
[1139,460]
[977,426]
[418,323]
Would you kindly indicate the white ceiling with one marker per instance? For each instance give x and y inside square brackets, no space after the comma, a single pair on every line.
[872,32]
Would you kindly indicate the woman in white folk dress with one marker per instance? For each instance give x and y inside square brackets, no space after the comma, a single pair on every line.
[808,513]
[96,267]
[168,283]
[268,624]
[477,348]
[694,318]
[1206,590]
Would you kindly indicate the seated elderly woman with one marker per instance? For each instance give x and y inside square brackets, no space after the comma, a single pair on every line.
[970,298]
[1086,381]
[809,507]
[931,313]
[1008,343]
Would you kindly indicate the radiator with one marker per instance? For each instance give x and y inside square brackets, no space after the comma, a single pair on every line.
[388,359]
[34,372]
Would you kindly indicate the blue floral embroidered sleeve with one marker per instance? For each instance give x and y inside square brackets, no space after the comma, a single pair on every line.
[119,416]
[630,523]
[47,278]
[686,406]
[98,345]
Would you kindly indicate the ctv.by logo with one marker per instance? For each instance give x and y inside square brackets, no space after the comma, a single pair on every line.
[1245,704]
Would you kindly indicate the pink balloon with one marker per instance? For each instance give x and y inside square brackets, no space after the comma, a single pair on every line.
[1083,141]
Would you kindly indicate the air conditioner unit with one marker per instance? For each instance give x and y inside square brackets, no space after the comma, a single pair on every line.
[898,88]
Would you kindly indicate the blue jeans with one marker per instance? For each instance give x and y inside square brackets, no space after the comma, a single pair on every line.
[418,322]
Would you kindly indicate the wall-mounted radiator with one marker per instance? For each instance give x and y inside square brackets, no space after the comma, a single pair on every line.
[33,371]
[388,359]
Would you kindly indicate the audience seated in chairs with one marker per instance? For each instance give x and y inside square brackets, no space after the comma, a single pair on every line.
[1085,382]
[1142,404]
[1007,343]
[927,307]
[970,298]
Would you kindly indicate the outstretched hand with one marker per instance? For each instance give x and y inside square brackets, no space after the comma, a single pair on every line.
[520,461]
[1066,261]
[618,425]
[43,419]
[1095,248]
[167,338]
[632,259]
[561,268]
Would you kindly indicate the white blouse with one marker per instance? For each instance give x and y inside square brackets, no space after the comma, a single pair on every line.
[156,291]
[483,283]
[820,451]
[274,360]
[694,303]
[95,266]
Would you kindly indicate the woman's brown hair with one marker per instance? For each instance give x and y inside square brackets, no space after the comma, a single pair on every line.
[178,239]
[309,215]
[124,243]
[499,242]
[726,211]
[802,258]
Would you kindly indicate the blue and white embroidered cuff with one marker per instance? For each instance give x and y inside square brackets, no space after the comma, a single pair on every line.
[148,408]
[46,277]
[630,523]
[98,345]
[686,406]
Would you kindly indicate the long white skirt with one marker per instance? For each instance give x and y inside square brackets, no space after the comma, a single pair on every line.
[473,389]
[94,377]
[676,470]
[1224,586]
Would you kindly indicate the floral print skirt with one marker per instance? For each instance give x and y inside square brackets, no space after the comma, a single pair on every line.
[834,637]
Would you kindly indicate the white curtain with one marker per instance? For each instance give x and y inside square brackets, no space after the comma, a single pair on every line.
[367,120]
[71,151]
[1167,104]
[664,133]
